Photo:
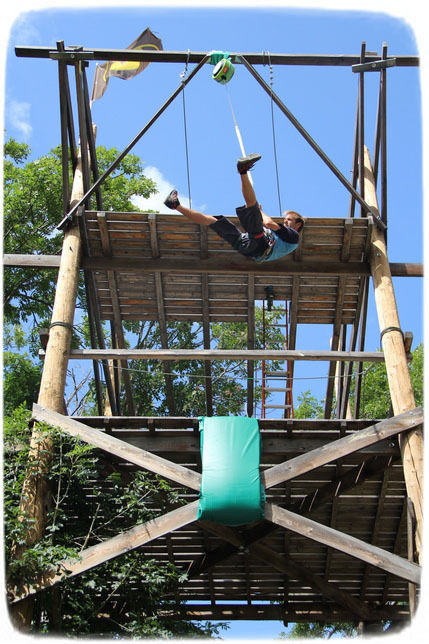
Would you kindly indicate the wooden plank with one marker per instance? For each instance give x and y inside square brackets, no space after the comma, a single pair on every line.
[146,460]
[223,354]
[341,447]
[340,541]
[121,544]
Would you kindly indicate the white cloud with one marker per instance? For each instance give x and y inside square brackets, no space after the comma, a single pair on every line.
[18,115]
[164,186]
[24,31]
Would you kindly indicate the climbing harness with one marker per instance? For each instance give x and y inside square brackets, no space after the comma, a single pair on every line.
[183,76]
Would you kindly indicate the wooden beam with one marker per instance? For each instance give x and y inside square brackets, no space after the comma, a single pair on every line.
[154,247]
[286,566]
[223,354]
[342,447]
[146,460]
[250,343]
[117,321]
[321,495]
[350,545]
[185,442]
[297,612]
[392,339]
[293,570]
[208,386]
[186,422]
[119,545]
[334,346]
[335,60]
[398,269]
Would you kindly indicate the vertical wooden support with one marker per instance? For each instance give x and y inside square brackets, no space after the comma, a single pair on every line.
[401,390]
[35,490]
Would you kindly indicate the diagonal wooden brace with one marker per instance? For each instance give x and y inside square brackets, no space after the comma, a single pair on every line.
[341,447]
[119,545]
[140,457]
[343,542]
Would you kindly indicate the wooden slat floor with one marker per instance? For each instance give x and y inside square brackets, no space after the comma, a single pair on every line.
[243,577]
[169,237]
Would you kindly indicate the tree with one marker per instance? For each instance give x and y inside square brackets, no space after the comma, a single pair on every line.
[309,406]
[375,395]
[32,210]
[319,630]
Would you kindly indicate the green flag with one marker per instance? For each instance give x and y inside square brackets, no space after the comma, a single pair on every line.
[124,69]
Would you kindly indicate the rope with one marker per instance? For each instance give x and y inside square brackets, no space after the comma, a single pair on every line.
[237,129]
[274,132]
[183,76]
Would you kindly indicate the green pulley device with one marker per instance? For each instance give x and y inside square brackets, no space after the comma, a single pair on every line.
[224,69]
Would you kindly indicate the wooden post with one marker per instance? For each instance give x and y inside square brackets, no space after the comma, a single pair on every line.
[392,340]
[35,492]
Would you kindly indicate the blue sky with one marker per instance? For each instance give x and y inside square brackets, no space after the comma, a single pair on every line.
[322,99]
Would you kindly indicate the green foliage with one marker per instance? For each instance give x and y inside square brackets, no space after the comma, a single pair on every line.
[21,381]
[320,630]
[229,377]
[33,208]
[91,501]
[375,395]
[309,406]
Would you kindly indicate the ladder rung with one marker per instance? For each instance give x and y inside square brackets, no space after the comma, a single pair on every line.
[278,406]
[275,389]
[277,374]
[276,325]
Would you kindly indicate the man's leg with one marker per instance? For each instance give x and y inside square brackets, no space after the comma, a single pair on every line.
[247,190]
[173,203]
[249,215]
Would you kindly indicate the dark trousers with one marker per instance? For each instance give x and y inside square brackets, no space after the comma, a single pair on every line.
[244,243]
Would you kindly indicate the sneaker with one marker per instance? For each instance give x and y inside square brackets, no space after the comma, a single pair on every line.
[245,163]
[172,200]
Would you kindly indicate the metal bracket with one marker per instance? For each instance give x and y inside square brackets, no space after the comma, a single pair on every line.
[71,55]
[374,66]
[69,220]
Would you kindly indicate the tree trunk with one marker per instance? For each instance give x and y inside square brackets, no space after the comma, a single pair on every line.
[35,495]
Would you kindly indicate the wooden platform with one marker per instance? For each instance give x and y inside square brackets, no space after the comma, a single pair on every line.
[273,565]
[323,294]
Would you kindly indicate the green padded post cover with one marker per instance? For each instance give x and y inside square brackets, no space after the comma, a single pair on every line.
[230,490]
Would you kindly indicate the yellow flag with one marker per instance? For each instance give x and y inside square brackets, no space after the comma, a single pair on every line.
[124,69]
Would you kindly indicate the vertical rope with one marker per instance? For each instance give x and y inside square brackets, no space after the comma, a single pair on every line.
[183,76]
[274,133]
[237,130]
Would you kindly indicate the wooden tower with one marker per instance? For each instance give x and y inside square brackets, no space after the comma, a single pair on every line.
[314,556]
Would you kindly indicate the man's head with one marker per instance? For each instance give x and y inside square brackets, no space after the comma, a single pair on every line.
[294,220]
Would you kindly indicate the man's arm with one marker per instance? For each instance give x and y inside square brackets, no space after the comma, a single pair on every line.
[268,222]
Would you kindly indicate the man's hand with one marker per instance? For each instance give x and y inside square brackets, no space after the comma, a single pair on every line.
[268,222]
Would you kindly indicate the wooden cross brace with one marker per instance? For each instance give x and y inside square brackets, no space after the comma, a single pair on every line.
[146,532]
